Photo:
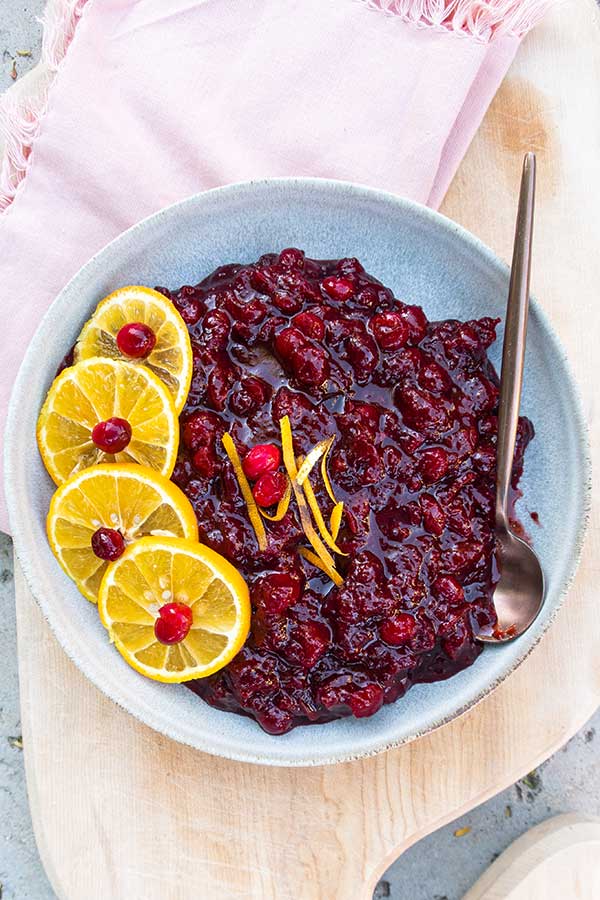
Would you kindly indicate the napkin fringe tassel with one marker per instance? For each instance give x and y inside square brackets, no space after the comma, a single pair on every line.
[20,116]
[482,20]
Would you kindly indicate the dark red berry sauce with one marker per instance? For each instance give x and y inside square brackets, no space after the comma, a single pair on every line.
[412,405]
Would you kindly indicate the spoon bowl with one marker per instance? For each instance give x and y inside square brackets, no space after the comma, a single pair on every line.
[519,594]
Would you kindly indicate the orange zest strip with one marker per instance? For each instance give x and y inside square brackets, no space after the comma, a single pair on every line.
[312,458]
[282,506]
[289,462]
[324,473]
[316,561]
[318,517]
[253,513]
[335,520]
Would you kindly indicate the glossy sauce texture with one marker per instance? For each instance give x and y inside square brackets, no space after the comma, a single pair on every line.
[412,406]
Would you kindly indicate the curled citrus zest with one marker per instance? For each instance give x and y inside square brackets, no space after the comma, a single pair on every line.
[312,458]
[335,520]
[318,517]
[282,506]
[289,462]
[324,473]
[316,561]
[253,513]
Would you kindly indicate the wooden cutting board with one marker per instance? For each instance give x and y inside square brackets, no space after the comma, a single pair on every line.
[122,812]
[556,860]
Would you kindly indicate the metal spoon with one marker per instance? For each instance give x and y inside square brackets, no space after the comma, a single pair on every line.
[519,594]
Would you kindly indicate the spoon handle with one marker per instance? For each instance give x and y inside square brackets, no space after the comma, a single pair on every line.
[515,335]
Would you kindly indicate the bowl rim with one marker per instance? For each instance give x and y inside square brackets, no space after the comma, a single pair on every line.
[145,714]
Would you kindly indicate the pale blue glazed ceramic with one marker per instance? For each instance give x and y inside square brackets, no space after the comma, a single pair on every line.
[425,259]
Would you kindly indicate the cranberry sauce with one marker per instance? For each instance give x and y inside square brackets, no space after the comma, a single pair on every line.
[412,406]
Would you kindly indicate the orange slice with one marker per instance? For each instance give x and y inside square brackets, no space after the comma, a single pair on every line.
[170,359]
[94,391]
[133,500]
[155,571]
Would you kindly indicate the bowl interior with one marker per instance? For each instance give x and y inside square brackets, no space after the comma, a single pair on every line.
[425,259]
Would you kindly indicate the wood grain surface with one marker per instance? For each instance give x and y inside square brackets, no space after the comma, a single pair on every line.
[121,812]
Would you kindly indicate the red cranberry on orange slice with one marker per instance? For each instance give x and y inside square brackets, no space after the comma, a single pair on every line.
[175,609]
[101,510]
[142,326]
[173,623]
[105,410]
[136,339]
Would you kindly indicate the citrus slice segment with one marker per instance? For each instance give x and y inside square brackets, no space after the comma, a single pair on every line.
[98,392]
[169,349]
[129,500]
[154,573]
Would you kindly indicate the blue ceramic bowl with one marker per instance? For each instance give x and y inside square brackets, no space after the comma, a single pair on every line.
[425,259]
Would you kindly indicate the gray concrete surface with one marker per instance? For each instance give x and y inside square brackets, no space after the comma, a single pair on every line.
[440,867]
[20,35]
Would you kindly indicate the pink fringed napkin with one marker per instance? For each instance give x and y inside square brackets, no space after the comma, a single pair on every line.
[153,100]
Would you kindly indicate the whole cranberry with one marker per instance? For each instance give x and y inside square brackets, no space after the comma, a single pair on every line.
[202,429]
[363,356]
[484,458]
[135,339]
[249,312]
[464,339]
[275,720]
[108,544]
[433,464]
[270,488]
[464,556]
[275,592]
[216,326]
[189,305]
[205,462]
[357,464]
[434,517]
[398,630]
[338,288]
[310,366]
[486,330]
[173,623]
[390,330]
[220,381]
[420,410]
[416,320]
[434,378]
[252,393]
[262,279]
[360,419]
[392,461]
[269,327]
[286,301]
[261,459]
[113,435]
[291,258]
[350,266]
[366,700]
[480,395]
[368,296]
[312,640]
[448,589]
[287,342]
[454,645]
[310,324]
